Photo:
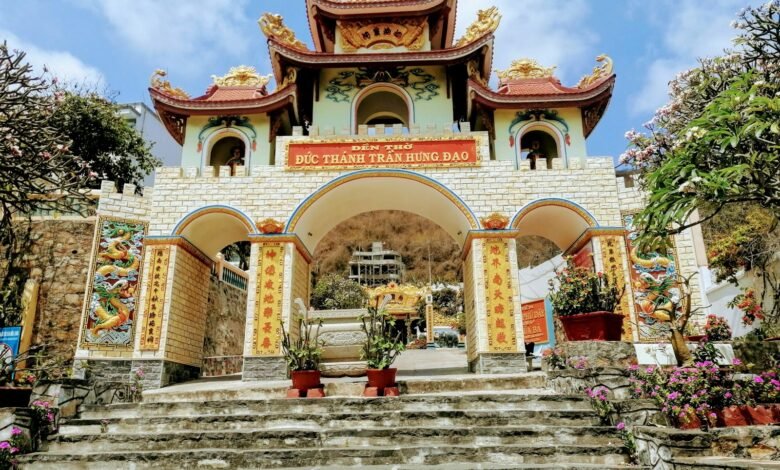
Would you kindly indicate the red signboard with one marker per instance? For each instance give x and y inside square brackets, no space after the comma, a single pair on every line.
[584,257]
[535,322]
[382,153]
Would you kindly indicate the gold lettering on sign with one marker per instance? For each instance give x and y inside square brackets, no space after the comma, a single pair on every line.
[612,260]
[499,297]
[402,32]
[268,298]
[155,298]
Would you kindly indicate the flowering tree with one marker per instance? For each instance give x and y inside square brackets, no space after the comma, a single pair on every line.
[714,149]
[37,169]
[717,142]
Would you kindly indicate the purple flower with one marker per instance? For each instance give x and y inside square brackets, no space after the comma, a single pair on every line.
[5,445]
[757,379]
[621,426]
[15,431]
[14,450]
[673,395]
[736,362]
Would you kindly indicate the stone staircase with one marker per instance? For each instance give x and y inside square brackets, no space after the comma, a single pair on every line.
[454,430]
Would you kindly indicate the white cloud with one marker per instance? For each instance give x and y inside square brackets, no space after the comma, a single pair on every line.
[690,30]
[178,33]
[61,64]
[554,32]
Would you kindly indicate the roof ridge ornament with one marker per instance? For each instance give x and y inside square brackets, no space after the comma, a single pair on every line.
[599,72]
[272,25]
[164,86]
[242,75]
[525,68]
[487,21]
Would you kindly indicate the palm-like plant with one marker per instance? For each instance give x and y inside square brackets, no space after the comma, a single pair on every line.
[383,342]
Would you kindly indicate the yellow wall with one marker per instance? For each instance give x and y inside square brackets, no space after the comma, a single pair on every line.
[503,118]
[191,157]
[330,113]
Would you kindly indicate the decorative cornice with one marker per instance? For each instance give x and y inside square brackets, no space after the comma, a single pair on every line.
[164,87]
[180,242]
[270,226]
[273,27]
[495,221]
[589,234]
[282,238]
[600,72]
[486,234]
[192,107]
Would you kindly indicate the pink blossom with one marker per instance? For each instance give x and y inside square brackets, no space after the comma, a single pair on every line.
[736,362]
[758,380]
[15,431]
[5,445]
[621,426]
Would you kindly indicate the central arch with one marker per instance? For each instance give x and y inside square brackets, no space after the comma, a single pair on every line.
[370,190]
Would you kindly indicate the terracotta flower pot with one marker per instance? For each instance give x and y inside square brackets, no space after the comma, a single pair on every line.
[732,416]
[305,379]
[695,338]
[693,422]
[598,326]
[776,412]
[381,378]
[15,397]
[760,414]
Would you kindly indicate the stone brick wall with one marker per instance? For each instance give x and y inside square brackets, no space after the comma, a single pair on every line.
[224,333]
[59,258]
[187,315]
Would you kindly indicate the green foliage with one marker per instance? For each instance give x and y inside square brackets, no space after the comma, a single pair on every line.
[335,292]
[99,135]
[303,352]
[36,160]
[717,142]
[576,290]
[383,342]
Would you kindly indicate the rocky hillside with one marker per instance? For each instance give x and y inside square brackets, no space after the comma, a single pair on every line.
[410,235]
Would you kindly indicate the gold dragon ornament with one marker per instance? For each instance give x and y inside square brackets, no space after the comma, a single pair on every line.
[487,21]
[599,72]
[164,86]
[243,75]
[525,68]
[274,28]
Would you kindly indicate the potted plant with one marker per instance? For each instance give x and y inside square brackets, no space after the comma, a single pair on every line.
[303,355]
[383,343]
[584,302]
[717,329]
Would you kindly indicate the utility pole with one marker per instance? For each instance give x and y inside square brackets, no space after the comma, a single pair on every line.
[430,278]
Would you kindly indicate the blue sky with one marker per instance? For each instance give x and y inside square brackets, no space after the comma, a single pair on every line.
[121,42]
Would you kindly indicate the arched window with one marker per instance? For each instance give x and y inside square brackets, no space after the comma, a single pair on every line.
[538,148]
[382,103]
[228,151]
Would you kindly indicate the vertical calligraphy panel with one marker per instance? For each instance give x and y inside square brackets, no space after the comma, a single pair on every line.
[155,298]
[612,260]
[502,335]
[268,300]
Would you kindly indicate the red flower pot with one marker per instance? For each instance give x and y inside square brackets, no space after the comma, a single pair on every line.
[732,416]
[775,412]
[598,326]
[760,414]
[695,338]
[305,379]
[693,422]
[381,378]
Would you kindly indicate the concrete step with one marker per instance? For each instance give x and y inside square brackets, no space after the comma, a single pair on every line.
[540,435]
[480,401]
[528,453]
[702,463]
[481,466]
[219,389]
[164,423]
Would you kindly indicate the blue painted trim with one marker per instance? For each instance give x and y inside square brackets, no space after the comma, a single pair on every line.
[388,172]
[548,199]
[192,214]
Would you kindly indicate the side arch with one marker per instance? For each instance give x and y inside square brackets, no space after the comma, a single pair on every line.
[218,134]
[549,129]
[559,220]
[214,227]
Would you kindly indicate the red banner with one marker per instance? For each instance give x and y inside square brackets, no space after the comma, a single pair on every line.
[382,153]
[535,322]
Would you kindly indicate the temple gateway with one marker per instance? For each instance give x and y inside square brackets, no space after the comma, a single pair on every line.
[388,111]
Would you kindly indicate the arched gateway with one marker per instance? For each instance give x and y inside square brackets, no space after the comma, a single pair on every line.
[397,115]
